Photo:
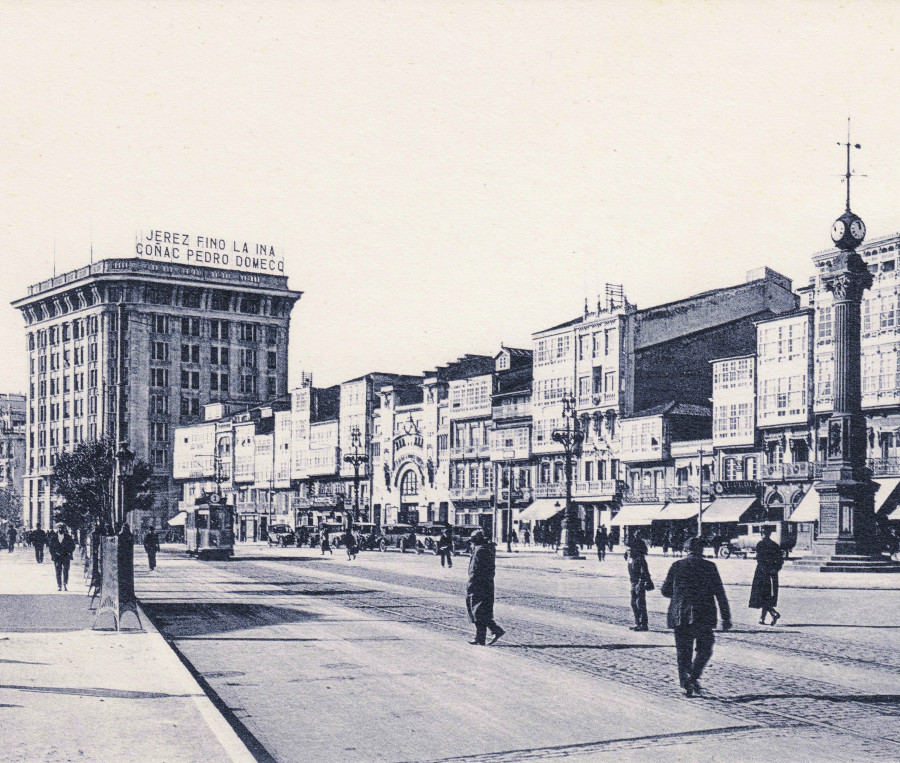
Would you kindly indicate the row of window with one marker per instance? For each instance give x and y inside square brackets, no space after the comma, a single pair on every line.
[221,301]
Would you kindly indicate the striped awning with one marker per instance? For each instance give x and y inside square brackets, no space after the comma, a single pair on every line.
[633,514]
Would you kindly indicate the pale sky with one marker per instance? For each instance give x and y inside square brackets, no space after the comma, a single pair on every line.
[444,176]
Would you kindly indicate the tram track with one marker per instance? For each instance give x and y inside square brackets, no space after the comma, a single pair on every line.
[797,701]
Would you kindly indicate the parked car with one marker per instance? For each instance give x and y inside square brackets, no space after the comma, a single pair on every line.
[783,533]
[395,536]
[280,535]
[428,533]
[368,534]
[462,538]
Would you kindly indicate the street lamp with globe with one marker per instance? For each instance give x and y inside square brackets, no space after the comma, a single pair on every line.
[356,459]
[571,437]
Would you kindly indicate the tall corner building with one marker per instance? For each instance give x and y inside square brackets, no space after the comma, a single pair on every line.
[192,335]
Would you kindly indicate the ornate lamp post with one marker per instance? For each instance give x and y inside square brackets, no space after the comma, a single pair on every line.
[356,459]
[571,439]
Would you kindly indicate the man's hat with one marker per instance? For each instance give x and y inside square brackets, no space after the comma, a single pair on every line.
[694,545]
[477,534]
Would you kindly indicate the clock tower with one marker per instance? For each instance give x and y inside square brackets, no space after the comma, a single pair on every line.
[846,540]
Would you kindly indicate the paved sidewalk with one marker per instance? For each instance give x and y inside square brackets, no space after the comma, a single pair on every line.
[68,692]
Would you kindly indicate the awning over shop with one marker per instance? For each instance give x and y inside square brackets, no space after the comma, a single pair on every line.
[178,519]
[637,514]
[675,511]
[808,508]
[542,508]
[728,509]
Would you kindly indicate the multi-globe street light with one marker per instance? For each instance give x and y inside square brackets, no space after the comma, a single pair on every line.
[571,438]
[356,459]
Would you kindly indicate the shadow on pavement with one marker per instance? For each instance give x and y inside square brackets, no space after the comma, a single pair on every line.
[40,613]
[585,646]
[838,625]
[105,693]
[870,699]
[180,619]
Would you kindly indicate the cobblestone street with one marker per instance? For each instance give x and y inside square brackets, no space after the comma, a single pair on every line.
[383,640]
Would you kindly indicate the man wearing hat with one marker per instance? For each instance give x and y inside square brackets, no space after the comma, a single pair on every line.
[62,546]
[641,582]
[694,587]
[480,590]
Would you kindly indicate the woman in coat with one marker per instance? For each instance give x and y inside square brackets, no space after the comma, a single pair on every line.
[764,590]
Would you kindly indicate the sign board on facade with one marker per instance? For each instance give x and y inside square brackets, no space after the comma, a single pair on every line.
[209,251]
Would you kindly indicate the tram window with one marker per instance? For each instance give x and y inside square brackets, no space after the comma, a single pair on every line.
[202,521]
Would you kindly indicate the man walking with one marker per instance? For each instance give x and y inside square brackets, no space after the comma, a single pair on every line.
[694,587]
[12,538]
[600,539]
[151,546]
[62,546]
[639,575]
[38,540]
[480,590]
[445,547]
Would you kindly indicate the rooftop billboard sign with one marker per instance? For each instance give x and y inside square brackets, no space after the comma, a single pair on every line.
[189,249]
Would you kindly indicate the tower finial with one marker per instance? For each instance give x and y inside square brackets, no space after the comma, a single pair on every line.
[848,173]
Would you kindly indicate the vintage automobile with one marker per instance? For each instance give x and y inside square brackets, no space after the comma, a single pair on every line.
[280,535]
[367,535]
[462,538]
[427,535]
[396,536]
[783,533]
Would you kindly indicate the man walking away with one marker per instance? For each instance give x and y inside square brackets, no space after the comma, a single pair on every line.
[480,590]
[694,587]
[639,575]
[38,540]
[764,590]
[62,546]
[151,546]
[350,544]
[600,539]
[12,538]
[445,547]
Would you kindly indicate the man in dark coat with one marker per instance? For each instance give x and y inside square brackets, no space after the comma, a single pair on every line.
[445,547]
[764,590]
[151,546]
[694,587]
[62,546]
[12,538]
[38,540]
[601,539]
[639,575]
[480,590]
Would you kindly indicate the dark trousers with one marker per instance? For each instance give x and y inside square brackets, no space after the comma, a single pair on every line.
[151,559]
[601,551]
[691,663]
[39,554]
[62,571]
[481,630]
[639,604]
[446,555]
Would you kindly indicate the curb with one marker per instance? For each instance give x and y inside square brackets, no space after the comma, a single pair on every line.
[236,740]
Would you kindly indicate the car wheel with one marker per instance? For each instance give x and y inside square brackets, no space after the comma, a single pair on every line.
[382,546]
[724,552]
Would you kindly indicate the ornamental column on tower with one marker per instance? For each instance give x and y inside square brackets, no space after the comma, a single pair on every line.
[846,513]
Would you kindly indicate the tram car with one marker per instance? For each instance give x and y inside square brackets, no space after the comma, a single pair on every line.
[209,530]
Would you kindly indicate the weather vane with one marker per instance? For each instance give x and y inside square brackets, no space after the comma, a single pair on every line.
[848,144]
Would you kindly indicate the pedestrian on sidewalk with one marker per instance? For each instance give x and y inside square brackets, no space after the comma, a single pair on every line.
[600,539]
[11,535]
[764,589]
[694,587]
[480,589]
[62,546]
[324,543]
[445,547]
[641,582]
[526,537]
[666,542]
[38,540]
[151,546]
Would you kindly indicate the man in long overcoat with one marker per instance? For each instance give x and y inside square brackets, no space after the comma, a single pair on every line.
[151,546]
[62,546]
[694,587]
[764,590]
[480,590]
[38,540]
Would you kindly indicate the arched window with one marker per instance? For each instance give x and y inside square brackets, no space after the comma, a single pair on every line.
[409,484]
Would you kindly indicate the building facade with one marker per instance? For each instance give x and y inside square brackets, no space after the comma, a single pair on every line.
[183,337]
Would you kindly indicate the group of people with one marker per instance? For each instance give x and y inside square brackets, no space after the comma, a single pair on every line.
[694,587]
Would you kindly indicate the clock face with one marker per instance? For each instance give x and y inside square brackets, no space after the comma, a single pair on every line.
[837,230]
[858,230]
